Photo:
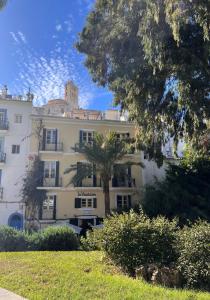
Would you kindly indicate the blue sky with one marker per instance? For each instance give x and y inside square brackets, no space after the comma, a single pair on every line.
[37,50]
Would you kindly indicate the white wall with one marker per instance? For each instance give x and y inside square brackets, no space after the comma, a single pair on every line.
[14,168]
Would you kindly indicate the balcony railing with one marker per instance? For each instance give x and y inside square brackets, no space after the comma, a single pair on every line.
[52,147]
[80,146]
[1,193]
[4,125]
[127,182]
[2,157]
[89,184]
[52,182]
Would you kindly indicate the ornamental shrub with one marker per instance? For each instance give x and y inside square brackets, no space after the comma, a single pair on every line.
[92,241]
[194,255]
[131,240]
[58,239]
[12,239]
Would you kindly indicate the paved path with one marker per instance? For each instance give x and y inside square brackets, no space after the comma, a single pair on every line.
[7,295]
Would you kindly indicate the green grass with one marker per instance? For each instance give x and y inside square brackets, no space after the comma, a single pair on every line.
[77,275]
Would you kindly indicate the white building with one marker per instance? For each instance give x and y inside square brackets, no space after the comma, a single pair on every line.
[15,128]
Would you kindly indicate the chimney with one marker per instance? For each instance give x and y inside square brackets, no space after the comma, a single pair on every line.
[71,95]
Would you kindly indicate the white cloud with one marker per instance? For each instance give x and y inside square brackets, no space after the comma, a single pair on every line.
[14,37]
[22,37]
[18,37]
[58,27]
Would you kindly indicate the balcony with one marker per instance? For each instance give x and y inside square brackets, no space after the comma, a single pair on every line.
[52,182]
[89,183]
[2,157]
[80,146]
[4,125]
[120,182]
[58,147]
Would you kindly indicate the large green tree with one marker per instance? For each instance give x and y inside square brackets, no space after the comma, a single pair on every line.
[2,3]
[155,57]
[184,193]
[102,155]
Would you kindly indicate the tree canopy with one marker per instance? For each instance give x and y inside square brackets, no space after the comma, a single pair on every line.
[155,57]
[2,3]
[184,193]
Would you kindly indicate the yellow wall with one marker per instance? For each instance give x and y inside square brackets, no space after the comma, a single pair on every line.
[68,132]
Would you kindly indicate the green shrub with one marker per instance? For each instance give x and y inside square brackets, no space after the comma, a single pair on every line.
[194,255]
[58,238]
[12,239]
[131,240]
[92,241]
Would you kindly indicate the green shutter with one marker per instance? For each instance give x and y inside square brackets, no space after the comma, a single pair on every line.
[77,202]
[94,203]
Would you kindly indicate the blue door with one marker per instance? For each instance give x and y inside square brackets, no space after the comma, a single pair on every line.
[16,221]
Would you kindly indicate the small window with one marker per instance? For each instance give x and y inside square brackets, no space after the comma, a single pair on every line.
[18,119]
[49,202]
[15,149]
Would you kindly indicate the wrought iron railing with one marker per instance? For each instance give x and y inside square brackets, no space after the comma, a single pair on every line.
[52,147]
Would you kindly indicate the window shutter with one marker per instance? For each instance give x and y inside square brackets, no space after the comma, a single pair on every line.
[94,176]
[129,176]
[41,174]
[40,211]
[80,136]
[94,203]
[54,208]
[129,201]
[56,139]
[44,139]
[57,174]
[77,202]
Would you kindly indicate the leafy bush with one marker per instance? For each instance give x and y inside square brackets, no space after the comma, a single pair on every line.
[92,241]
[58,238]
[131,240]
[12,239]
[194,255]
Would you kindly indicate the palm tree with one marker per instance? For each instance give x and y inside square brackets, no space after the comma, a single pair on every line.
[2,3]
[102,155]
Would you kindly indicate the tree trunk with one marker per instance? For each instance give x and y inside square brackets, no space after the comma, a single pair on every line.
[106,198]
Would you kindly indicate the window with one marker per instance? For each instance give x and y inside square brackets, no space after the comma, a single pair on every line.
[3,115]
[15,149]
[86,136]
[85,202]
[123,135]
[18,119]
[48,204]
[51,136]
[123,201]
[49,169]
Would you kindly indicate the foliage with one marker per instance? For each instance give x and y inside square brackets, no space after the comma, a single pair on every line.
[154,56]
[2,4]
[77,275]
[184,193]
[92,241]
[194,255]
[131,240]
[32,197]
[12,239]
[102,154]
[58,239]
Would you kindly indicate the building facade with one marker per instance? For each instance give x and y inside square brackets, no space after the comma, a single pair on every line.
[65,125]
[15,128]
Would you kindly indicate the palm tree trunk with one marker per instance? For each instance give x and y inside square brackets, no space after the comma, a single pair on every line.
[106,198]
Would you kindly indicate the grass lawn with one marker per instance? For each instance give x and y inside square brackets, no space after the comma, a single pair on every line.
[76,275]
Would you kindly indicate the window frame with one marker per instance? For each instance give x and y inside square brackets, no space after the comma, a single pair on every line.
[18,119]
[15,149]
